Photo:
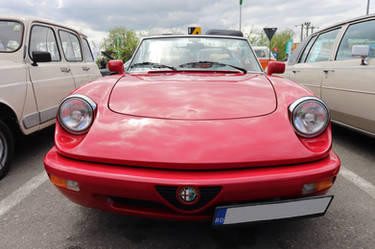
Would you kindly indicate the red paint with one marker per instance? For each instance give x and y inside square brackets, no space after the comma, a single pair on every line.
[144,135]
[116,66]
[275,67]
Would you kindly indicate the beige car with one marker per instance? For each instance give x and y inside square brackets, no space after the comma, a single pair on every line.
[338,65]
[40,63]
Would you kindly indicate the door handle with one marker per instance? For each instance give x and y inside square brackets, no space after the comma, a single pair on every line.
[295,71]
[65,69]
[85,68]
[328,70]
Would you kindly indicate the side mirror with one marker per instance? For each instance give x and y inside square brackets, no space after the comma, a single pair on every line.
[362,51]
[40,56]
[275,67]
[116,66]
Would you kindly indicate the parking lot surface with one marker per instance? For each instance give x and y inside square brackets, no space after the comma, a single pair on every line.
[33,214]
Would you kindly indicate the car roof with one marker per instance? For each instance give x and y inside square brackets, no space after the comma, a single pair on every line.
[32,19]
[346,22]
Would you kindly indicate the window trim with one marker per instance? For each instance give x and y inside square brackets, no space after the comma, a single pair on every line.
[62,48]
[318,36]
[346,29]
[88,44]
[22,36]
[308,52]
[54,34]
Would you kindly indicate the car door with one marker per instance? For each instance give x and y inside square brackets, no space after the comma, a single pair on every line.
[72,51]
[89,66]
[309,71]
[51,81]
[349,87]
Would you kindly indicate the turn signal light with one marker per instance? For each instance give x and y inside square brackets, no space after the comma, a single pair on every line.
[317,186]
[62,183]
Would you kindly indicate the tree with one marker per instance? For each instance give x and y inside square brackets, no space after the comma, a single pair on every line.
[120,43]
[279,40]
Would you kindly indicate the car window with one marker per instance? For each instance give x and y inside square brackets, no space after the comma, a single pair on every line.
[179,52]
[10,36]
[87,50]
[43,38]
[357,34]
[322,47]
[302,59]
[71,46]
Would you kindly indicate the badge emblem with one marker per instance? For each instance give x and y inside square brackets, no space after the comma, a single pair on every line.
[188,195]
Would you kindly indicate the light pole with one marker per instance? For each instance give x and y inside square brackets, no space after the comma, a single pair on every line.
[307,25]
[368,7]
[240,13]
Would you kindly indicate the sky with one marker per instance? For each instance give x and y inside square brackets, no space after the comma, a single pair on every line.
[149,17]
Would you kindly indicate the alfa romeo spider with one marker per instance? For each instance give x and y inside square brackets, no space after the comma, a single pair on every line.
[194,129]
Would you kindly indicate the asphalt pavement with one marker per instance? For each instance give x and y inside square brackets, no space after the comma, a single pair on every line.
[33,214]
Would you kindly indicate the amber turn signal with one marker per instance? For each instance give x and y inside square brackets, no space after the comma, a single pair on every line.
[62,183]
[317,186]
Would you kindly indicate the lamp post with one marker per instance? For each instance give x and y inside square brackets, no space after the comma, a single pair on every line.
[240,13]
[368,7]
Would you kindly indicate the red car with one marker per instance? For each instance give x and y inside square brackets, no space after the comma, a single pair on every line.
[195,130]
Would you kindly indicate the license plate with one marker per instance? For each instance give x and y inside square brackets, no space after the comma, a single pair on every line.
[309,206]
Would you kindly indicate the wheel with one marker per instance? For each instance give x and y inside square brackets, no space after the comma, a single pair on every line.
[6,148]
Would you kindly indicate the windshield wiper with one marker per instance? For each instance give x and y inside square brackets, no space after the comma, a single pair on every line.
[213,63]
[153,64]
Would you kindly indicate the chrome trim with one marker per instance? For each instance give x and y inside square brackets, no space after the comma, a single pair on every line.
[354,128]
[48,114]
[347,90]
[299,101]
[31,120]
[89,101]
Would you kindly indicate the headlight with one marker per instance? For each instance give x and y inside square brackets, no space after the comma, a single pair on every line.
[309,116]
[76,113]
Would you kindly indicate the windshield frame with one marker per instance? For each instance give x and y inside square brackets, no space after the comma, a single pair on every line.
[128,69]
[22,34]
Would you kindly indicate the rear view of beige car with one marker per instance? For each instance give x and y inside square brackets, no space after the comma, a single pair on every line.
[338,65]
[40,63]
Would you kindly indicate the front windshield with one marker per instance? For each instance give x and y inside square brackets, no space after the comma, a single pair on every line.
[188,53]
[263,53]
[10,35]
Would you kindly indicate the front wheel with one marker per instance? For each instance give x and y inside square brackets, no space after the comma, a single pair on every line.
[6,148]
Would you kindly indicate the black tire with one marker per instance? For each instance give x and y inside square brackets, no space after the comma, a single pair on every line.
[6,148]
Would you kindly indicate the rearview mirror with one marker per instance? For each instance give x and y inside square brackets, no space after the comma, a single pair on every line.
[362,51]
[40,56]
[275,67]
[116,66]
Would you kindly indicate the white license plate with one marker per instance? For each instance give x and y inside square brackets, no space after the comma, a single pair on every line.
[309,206]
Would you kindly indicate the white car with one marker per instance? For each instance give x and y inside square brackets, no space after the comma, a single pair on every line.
[40,63]
[337,64]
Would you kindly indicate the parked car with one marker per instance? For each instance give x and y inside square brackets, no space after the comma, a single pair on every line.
[264,56]
[40,63]
[183,135]
[337,64]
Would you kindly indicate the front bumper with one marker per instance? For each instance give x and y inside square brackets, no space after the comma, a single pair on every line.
[149,192]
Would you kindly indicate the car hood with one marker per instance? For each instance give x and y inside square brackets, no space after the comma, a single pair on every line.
[193,96]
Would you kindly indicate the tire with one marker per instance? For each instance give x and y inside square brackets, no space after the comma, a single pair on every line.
[6,148]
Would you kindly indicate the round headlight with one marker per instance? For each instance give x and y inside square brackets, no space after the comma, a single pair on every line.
[309,116]
[76,113]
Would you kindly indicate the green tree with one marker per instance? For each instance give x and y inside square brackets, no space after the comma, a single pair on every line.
[120,43]
[279,40]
